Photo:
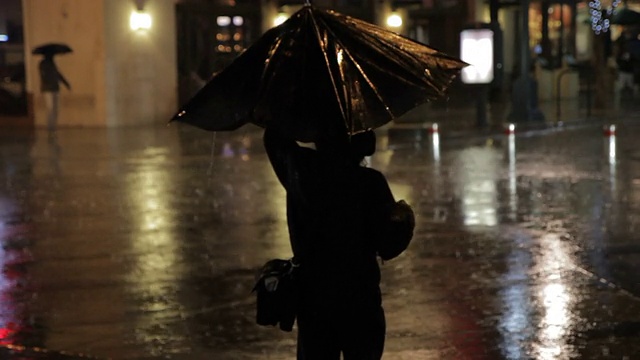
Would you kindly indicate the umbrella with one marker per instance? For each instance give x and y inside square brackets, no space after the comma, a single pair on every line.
[51,49]
[318,67]
[625,16]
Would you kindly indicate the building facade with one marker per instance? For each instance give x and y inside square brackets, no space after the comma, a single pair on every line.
[123,75]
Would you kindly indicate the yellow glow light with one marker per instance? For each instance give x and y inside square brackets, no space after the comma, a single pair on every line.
[281,18]
[140,21]
[394,20]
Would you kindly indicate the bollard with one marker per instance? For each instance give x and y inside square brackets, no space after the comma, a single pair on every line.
[609,130]
[510,129]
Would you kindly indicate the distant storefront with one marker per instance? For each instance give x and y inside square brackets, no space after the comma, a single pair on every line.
[210,36]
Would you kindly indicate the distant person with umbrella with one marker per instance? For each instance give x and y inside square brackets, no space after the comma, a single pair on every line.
[626,63]
[50,79]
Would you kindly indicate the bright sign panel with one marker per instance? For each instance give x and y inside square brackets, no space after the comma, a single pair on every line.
[476,49]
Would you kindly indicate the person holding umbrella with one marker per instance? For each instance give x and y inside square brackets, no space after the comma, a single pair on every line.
[50,79]
[341,216]
[328,79]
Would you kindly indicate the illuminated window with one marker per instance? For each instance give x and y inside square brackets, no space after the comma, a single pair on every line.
[223,20]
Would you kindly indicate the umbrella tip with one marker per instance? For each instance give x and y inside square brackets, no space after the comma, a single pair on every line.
[178,116]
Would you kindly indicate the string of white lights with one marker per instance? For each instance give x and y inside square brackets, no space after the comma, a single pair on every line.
[600,22]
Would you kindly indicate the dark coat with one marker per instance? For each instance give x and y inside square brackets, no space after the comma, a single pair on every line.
[50,77]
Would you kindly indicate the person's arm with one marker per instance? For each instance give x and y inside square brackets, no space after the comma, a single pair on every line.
[280,150]
[63,79]
[395,221]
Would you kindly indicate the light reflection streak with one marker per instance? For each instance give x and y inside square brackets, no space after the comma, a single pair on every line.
[612,162]
[435,146]
[9,282]
[612,149]
[515,322]
[7,310]
[555,296]
[478,169]
[537,280]
[440,213]
[513,186]
[154,244]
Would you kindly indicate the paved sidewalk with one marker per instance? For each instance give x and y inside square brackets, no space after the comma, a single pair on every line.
[142,243]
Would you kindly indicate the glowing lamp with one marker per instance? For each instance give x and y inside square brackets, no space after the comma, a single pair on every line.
[223,21]
[394,20]
[140,20]
[280,18]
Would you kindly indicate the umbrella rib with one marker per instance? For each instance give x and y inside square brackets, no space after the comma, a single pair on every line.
[405,64]
[364,75]
[326,60]
[438,59]
[265,85]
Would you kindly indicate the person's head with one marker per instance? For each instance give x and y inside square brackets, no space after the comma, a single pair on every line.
[352,148]
[362,144]
[332,144]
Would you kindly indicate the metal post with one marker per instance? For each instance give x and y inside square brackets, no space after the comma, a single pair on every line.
[524,100]
[481,105]
[524,42]
[559,91]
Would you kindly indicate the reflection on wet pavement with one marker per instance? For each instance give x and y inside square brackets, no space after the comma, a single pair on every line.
[144,243]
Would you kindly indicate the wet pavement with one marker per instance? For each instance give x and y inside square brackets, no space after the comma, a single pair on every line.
[143,243]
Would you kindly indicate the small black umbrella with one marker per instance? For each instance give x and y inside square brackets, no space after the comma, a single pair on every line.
[317,67]
[625,16]
[51,49]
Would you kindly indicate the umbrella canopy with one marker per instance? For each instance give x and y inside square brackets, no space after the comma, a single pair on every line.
[625,16]
[320,69]
[51,49]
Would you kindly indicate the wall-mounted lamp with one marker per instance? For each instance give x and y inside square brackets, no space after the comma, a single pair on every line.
[394,20]
[140,19]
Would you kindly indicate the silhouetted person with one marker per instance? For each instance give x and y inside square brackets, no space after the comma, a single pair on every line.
[626,62]
[338,213]
[50,79]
